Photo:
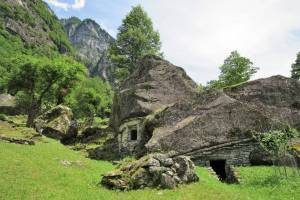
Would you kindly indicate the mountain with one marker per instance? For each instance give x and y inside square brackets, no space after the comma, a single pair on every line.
[91,43]
[31,25]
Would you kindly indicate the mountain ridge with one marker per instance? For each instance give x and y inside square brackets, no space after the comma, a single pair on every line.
[91,42]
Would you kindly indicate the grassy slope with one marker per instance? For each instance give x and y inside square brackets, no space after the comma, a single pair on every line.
[37,172]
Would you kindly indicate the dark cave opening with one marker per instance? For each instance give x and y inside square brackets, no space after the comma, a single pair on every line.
[133,135]
[219,167]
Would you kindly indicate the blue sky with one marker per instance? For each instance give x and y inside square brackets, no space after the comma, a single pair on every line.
[108,13]
[199,34]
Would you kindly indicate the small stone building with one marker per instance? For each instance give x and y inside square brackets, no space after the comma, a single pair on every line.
[159,109]
[130,136]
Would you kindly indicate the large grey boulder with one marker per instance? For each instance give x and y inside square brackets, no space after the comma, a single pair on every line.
[225,117]
[154,171]
[8,105]
[162,106]
[154,85]
[57,123]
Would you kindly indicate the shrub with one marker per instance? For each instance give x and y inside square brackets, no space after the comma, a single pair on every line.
[3,117]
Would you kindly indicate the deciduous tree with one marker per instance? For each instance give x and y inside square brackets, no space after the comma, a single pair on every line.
[236,69]
[40,80]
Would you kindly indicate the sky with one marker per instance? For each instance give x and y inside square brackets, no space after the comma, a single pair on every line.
[199,34]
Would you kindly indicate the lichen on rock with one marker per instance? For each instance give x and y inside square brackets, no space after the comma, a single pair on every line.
[57,123]
[153,171]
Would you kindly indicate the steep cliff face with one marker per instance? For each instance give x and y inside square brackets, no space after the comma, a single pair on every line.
[34,23]
[91,43]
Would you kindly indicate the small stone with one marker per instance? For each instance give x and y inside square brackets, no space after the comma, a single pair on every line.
[65,163]
[167,182]
[152,163]
[167,162]
[160,157]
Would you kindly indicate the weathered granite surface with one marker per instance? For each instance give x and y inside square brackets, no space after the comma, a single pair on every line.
[57,123]
[154,171]
[154,85]
[162,105]
[91,42]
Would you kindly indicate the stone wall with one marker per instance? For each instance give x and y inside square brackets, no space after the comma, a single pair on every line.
[128,144]
[235,153]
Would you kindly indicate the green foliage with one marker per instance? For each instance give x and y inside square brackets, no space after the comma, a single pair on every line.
[296,68]
[37,13]
[236,69]
[42,80]
[276,141]
[200,88]
[92,97]
[56,31]
[11,10]
[72,20]
[12,46]
[136,38]
[3,117]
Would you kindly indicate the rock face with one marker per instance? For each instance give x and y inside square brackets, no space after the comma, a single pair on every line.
[35,23]
[8,105]
[260,157]
[153,171]
[158,109]
[154,85]
[91,42]
[57,123]
[218,125]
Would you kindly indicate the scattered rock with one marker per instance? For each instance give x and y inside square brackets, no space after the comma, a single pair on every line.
[68,163]
[260,157]
[153,171]
[65,163]
[17,140]
[57,123]
[108,151]
[8,105]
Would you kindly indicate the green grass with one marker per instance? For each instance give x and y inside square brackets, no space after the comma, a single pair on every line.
[39,172]
[15,131]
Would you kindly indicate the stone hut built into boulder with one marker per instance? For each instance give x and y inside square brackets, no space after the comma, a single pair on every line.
[159,109]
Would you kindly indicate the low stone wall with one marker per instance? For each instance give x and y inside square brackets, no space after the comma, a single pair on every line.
[235,153]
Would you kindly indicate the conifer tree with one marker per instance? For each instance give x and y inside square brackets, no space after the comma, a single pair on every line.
[296,68]
[136,38]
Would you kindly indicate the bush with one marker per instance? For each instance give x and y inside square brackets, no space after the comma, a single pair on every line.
[3,117]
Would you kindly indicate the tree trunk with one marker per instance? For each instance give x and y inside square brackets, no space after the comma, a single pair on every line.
[32,114]
[60,100]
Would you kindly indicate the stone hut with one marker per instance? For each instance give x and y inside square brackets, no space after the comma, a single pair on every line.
[158,109]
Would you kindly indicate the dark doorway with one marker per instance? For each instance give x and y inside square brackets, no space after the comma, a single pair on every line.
[133,135]
[219,167]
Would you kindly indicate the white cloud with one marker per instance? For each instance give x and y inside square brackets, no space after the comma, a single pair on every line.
[77,4]
[199,34]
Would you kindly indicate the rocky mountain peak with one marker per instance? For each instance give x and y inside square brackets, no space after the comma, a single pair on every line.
[91,43]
